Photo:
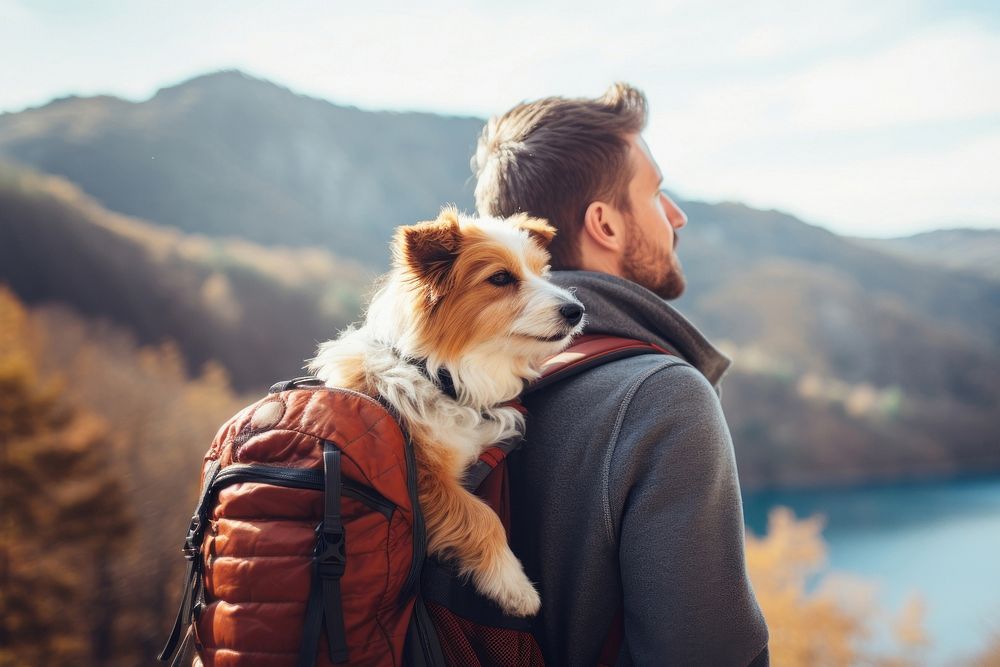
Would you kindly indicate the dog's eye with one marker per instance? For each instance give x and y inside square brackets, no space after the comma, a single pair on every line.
[501,278]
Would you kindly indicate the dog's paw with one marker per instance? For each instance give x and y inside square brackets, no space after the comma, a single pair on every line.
[521,599]
[508,585]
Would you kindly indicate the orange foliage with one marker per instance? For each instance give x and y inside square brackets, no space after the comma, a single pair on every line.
[139,414]
[989,656]
[163,421]
[62,509]
[815,617]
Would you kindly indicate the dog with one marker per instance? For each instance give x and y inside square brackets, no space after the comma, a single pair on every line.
[462,321]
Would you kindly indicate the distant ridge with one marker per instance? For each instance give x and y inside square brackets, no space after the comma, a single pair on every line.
[230,154]
[962,249]
[854,360]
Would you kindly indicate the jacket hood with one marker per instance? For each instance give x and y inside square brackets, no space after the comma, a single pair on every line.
[618,307]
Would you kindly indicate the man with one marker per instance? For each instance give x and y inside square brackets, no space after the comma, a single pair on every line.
[625,500]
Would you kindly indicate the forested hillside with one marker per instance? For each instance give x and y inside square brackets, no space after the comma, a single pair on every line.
[257,218]
[258,311]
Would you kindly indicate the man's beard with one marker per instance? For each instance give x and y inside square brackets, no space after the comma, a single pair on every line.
[650,266]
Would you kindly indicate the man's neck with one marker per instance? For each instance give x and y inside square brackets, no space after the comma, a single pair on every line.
[598,262]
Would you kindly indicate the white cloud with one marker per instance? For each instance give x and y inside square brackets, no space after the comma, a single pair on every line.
[948,72]
[901,138]
[892,195]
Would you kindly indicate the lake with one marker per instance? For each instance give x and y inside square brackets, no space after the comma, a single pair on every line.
[940,540]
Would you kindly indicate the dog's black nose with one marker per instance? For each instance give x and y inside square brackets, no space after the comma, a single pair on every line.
[572,312]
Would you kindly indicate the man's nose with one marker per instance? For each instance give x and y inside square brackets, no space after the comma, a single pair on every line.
[674,213]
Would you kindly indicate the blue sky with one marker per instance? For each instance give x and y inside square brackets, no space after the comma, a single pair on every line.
[875,119]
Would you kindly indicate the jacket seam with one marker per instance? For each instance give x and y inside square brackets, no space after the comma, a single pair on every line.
[616,431]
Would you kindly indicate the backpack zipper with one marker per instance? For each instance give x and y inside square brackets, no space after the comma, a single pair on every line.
[306,384]
[301,478]
[411,585]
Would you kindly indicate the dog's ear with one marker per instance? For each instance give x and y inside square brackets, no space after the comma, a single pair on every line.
[428,249]
[538,228]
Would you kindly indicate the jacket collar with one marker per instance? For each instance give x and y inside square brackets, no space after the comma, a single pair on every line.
[619,307]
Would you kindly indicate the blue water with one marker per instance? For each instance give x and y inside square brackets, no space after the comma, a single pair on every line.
[938,540]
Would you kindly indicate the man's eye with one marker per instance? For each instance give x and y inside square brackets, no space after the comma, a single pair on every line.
[501,278]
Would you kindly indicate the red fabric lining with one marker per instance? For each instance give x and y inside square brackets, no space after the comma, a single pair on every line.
[493,456]
[468,644]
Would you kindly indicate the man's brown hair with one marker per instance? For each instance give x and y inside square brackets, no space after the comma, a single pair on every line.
[551,158]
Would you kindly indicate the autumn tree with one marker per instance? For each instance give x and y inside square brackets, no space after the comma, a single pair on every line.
[164,420]
[819,618]
[989,655]
[63,514]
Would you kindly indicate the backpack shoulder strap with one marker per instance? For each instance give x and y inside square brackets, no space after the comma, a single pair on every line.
[589,351]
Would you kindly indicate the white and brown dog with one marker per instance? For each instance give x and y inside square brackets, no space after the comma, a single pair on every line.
[468,299]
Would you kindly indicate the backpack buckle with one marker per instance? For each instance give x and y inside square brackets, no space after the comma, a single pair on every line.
[330,555]
[192,543]
[305,381]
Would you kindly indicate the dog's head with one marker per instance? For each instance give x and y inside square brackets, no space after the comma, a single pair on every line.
[478,295]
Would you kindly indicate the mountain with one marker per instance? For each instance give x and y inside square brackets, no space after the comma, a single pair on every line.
[230,155]
[829,304]
[852,361]
[972,250]
[258,311]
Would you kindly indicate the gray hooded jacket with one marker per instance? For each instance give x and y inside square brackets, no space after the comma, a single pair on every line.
[625,497]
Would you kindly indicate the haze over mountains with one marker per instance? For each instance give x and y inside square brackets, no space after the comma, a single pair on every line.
[244,222]
[230,155]
[975,250]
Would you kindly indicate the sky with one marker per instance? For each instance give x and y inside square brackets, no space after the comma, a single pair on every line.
[871,119]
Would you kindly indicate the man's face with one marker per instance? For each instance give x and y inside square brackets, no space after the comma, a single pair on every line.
[651,225]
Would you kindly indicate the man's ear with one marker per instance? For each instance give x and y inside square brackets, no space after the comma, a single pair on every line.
[537,228]
[428,249]
[604,226]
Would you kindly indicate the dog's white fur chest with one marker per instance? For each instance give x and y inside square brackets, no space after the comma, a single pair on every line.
[417,400]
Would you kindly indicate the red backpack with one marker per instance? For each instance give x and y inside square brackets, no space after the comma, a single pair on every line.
[307,545]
